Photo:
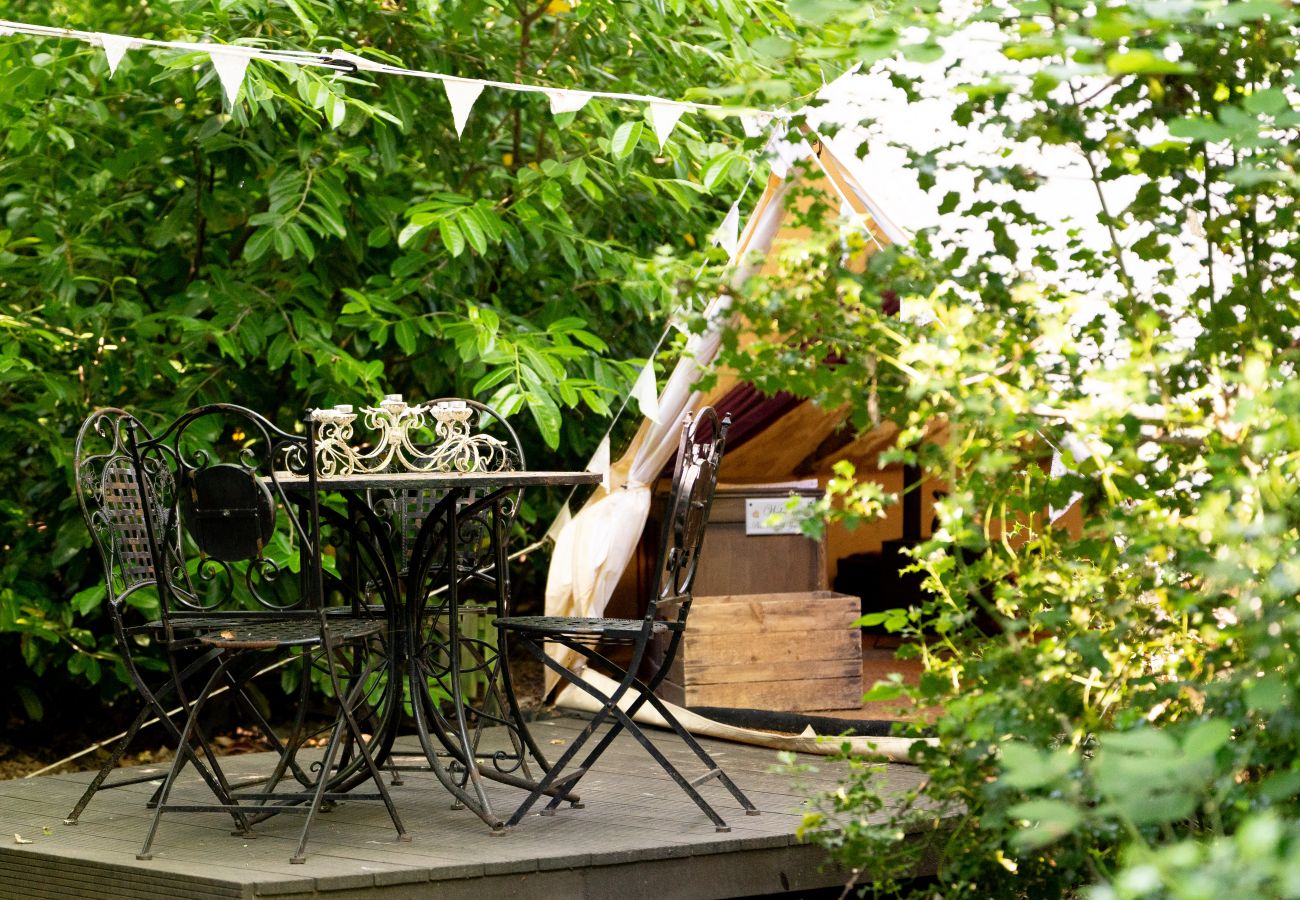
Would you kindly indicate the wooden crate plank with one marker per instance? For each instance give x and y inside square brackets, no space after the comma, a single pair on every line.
[730,649]
[730,613]
[788,670]
[797,696]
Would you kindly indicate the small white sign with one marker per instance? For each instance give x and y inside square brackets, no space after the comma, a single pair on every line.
[759,510]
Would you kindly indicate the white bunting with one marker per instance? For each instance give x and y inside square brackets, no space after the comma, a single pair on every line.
[231,63]
[753,125]
[115,47]
[646,392]
[230,71]
[567,101]
[600,461]
[664,116]
[728,234]
[1059,470]
[786,154]
[461,95]
[562,518]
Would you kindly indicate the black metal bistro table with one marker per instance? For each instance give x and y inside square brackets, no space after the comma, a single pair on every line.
[450,563]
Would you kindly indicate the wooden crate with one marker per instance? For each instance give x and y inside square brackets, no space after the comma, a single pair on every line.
[734,562]
[789,652]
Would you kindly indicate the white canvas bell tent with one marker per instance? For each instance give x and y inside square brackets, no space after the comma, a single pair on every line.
[594,547]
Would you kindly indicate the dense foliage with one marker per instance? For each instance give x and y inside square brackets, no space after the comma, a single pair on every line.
[1118,706]
[329,239]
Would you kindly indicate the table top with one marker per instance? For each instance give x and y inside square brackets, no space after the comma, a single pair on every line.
[440,480]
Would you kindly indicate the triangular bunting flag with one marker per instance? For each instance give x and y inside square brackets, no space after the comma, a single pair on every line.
[646,392]
[728,234]
[230,70]
[461,95]
[567,101]
[664,116]
[1059,470]
[600,461]
[786,154]
[562,518]
[753,125]
[115,47]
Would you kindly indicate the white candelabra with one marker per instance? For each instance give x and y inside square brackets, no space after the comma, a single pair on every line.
[395,422]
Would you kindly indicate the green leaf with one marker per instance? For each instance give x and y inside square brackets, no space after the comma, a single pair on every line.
[405,333]
[547,416]
[1207,738]
[884,690]
[1268,102]
[1134,62]
[31,703]
[552,195]
[715,169]
[91,598]
[452,237]
[1027,768]
[1050,820]
[473,232]
[625,139]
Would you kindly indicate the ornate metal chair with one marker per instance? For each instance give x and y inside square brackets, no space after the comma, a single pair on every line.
[111,490]
[222,482]
[695,476]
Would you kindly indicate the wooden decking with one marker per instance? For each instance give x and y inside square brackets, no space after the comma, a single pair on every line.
[638,836]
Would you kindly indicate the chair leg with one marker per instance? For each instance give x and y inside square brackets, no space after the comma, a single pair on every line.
[153,703]
[690,741]
[237,688]
[645,694]
[184,754]
[96,783]
[289,754]
[623,721]
[554,776]
[318,794]
[363,749]
[344,721]
[673,773]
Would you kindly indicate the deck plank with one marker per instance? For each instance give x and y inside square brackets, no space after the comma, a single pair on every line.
[636,830]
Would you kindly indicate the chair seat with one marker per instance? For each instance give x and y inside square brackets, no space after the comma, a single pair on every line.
[287,633]
[189,623]
[579,625]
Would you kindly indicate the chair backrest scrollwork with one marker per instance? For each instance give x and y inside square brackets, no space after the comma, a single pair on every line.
[228,466]
[111,492]
[695,478]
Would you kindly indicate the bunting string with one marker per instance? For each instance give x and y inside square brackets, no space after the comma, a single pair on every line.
[231,62]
